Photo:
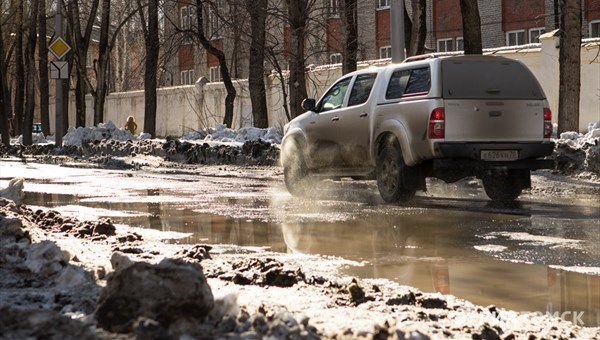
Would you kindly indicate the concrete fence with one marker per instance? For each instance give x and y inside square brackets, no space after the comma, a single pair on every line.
[185,108]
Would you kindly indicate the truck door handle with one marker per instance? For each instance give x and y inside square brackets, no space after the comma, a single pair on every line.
[363,115]
[335,119]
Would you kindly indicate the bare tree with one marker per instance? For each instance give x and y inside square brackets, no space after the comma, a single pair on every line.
[349,16]
[471,26]
[418,28]
[19,102]
[106,43]
[5,100]
[149,20]
[43,69]
[217,53]
[81,39]
[256,75]
[298,16]
[102,65]
[30,70]
[570,66]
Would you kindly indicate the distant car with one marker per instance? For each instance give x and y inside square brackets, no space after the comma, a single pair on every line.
[37,128]
[444,117]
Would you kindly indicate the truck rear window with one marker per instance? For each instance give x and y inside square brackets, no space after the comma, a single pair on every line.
[488,79]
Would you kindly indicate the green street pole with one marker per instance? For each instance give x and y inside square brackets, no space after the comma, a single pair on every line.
[58,133]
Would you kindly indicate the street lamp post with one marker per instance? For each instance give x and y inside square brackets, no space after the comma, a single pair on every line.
[397,28]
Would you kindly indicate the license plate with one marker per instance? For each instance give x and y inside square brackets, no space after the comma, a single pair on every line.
[499,155]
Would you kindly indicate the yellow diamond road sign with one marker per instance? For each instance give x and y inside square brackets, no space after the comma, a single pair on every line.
[59,48]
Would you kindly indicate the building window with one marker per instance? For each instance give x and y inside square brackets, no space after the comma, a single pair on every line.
[445,45]
[334,8]
[514,38]
[460,44]
[335,58]
[186,17]
[215,74]
[595,29]
[188,77]
[214,21]
[385,52]
[534,34]
[381,4]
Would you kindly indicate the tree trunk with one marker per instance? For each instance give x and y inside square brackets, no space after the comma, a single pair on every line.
[102,65]
[349,10]
[256,79]
[570,66]
[152,44]
[281,78]
[419,28]
[43,70]
[471,26]
[231,92]
[20,74]
[30,75]
[298,18]
[82,43]
[5,103]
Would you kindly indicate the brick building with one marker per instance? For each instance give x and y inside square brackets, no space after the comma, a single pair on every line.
[503,23]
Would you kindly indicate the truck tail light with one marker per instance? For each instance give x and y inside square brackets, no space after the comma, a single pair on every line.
[547,123]
[437,123]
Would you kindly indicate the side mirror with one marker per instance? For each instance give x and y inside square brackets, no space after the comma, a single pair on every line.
[309,104]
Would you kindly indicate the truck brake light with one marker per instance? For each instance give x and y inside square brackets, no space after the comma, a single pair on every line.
[437,123]
[547,123]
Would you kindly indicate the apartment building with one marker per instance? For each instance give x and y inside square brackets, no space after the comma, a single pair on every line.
[503,23]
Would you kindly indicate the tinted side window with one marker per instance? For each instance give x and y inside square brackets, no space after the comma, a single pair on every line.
[361,89]
[334,98]
[405,82]
[419,81]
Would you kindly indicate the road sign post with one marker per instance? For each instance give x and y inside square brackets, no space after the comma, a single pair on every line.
[59,70]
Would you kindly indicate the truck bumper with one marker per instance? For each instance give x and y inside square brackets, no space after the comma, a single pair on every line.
[467,156]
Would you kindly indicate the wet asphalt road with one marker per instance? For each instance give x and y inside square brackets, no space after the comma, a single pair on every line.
[541,254]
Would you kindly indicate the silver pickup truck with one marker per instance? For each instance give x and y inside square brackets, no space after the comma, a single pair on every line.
[443,117]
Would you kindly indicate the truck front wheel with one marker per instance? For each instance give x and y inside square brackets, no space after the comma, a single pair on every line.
[390,174]
[295,172]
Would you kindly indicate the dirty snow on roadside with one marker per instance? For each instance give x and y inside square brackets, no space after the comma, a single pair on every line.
[105,131]
[574,153]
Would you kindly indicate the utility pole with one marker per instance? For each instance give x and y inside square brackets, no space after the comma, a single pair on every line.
[397,28]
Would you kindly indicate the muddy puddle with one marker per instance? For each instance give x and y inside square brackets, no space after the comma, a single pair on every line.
[535,256]
[435,250]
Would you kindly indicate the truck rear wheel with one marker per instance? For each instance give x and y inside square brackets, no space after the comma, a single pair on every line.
[505,187]
[390,174]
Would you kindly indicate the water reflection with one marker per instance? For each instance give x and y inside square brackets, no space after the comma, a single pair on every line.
[434,251]
[154,210]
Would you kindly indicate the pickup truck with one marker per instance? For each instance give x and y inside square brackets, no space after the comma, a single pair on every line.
[444,117]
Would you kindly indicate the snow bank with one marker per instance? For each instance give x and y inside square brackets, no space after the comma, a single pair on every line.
[579,152]
[100,132]
[222,134]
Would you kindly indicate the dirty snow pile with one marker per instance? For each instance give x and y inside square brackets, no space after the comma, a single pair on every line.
[219,134]
[576,152]
[101,132]
[223,134]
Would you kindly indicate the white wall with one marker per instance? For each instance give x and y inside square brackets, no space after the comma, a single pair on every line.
[185,108]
